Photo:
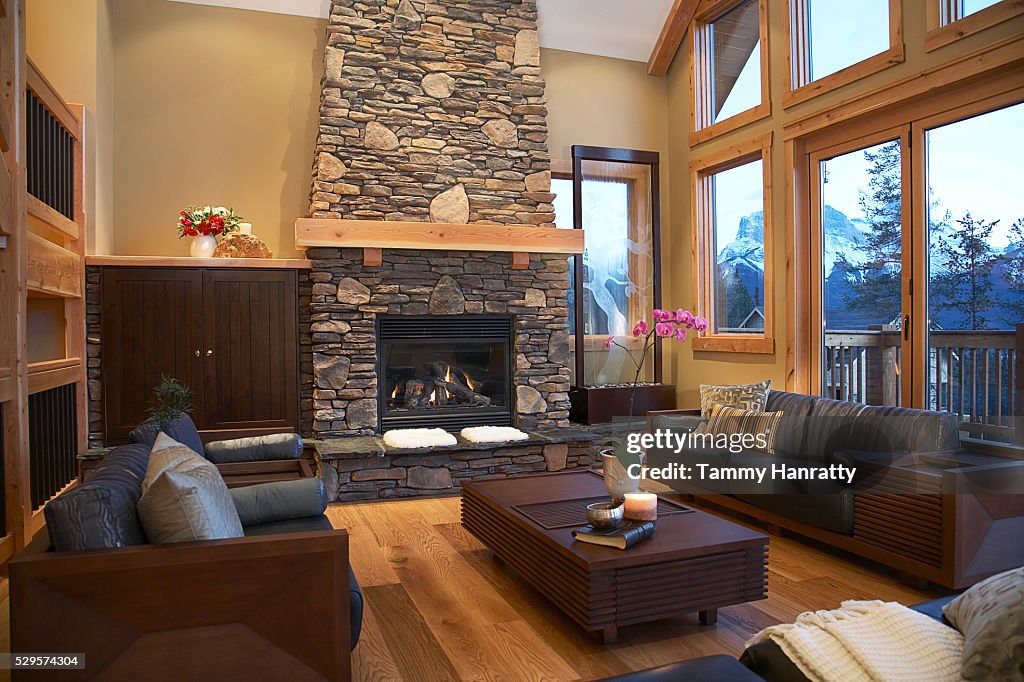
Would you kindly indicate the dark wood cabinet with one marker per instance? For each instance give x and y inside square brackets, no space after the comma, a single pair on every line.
[230,334]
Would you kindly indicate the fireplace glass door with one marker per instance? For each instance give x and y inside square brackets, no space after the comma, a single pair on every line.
[446,372]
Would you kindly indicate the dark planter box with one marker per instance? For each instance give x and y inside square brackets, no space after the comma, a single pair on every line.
[600,405]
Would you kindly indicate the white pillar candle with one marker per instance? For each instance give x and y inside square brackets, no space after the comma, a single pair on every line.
[245,228]
[641,507]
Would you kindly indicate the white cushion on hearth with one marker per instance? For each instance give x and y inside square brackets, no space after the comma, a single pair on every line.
[492,434]
[418,438]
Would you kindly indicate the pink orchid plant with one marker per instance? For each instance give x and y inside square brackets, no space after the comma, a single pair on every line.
[667,325]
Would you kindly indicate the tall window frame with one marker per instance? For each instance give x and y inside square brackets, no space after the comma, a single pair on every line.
[947,23]
[703,127]
[910,121]
[800,87]
[705,256]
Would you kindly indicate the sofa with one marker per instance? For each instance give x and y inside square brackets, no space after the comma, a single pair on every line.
[813,431]
[762,662]
[279,603]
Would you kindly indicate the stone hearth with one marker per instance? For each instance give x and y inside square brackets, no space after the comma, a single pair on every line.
[363,468]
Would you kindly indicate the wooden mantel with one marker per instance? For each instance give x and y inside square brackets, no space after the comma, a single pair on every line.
[374,235]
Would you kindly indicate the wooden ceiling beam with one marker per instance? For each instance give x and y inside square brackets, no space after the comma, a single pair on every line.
[678,20]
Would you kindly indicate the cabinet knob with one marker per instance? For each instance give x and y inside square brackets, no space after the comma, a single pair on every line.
[196,352]
[209,353]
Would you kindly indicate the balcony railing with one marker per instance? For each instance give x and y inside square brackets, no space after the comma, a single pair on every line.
[971,374]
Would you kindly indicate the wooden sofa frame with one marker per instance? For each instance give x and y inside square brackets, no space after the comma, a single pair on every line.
[261,607]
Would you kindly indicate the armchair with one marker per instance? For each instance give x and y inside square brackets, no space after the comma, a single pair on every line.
[279,603]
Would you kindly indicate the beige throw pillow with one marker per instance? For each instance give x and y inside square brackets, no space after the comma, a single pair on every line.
[990,616]
[753,397]
[184,497]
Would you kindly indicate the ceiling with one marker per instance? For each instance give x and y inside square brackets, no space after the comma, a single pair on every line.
[611,28]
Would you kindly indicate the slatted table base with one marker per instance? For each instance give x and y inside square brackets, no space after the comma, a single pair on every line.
[604,600]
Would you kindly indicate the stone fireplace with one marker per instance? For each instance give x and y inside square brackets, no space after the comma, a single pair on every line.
[446,371]
[435,112]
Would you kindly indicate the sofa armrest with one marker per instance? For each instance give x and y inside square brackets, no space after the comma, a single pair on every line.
[279,501]
[255,448]
[245,608]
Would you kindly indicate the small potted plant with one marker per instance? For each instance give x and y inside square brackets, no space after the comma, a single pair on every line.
[204,224]
[616,457]
[173,399]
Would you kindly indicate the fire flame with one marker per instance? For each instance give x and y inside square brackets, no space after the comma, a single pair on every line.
[433,394]
[394,393]
[469,382]
[448,374]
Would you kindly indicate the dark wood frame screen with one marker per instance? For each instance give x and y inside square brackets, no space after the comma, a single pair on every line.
[581,153]
[231,335]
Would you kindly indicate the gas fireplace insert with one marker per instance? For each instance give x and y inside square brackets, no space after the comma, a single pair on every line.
[444,371]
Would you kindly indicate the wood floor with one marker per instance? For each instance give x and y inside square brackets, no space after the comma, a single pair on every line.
[438,606]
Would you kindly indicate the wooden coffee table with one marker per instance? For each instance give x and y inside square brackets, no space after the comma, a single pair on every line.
[694,561]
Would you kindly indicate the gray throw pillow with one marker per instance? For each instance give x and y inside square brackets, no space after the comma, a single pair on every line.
[990,616]
[752,397]
[184,497]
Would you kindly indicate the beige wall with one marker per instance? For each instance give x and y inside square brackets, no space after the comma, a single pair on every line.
[69,40]
[603,102]
[213,106]
[693,368]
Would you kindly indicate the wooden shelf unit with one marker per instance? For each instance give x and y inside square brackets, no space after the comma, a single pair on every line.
[186,262]
[42,246]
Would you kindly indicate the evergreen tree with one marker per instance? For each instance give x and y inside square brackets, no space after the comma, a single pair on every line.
[733,299]
[1013,261]
[879,289]
[963,282]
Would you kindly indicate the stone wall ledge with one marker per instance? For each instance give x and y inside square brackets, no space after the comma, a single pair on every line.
[359,447]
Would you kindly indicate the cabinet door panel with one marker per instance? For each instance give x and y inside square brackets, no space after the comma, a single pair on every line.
[151,325]
[250,352]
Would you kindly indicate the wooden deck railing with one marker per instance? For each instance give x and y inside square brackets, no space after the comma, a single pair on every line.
[970,373]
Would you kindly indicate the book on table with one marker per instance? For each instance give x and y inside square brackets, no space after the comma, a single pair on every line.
[622,536]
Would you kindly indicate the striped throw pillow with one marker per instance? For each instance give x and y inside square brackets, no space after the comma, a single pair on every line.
[731,420]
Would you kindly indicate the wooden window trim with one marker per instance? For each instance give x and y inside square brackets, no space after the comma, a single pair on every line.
[701,170]
[797,37]
[947,104]
[700,71]
[945,26]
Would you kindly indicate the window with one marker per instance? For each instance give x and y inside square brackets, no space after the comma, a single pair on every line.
[858,233]
[951,20]
[732,217]
[835,42]
[729,54]
[915,246]
[975,247]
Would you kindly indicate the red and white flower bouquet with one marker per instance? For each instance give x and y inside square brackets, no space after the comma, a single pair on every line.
[204,224]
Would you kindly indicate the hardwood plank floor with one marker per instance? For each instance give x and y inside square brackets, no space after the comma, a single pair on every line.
[440,607]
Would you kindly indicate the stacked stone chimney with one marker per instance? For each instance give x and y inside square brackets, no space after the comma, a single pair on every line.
[432,111]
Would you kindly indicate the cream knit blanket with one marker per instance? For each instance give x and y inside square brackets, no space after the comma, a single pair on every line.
[869,641]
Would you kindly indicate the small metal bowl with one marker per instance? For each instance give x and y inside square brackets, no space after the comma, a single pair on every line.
[604,514]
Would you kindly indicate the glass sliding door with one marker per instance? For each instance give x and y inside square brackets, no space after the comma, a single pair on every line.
[858,255]
[975,301]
